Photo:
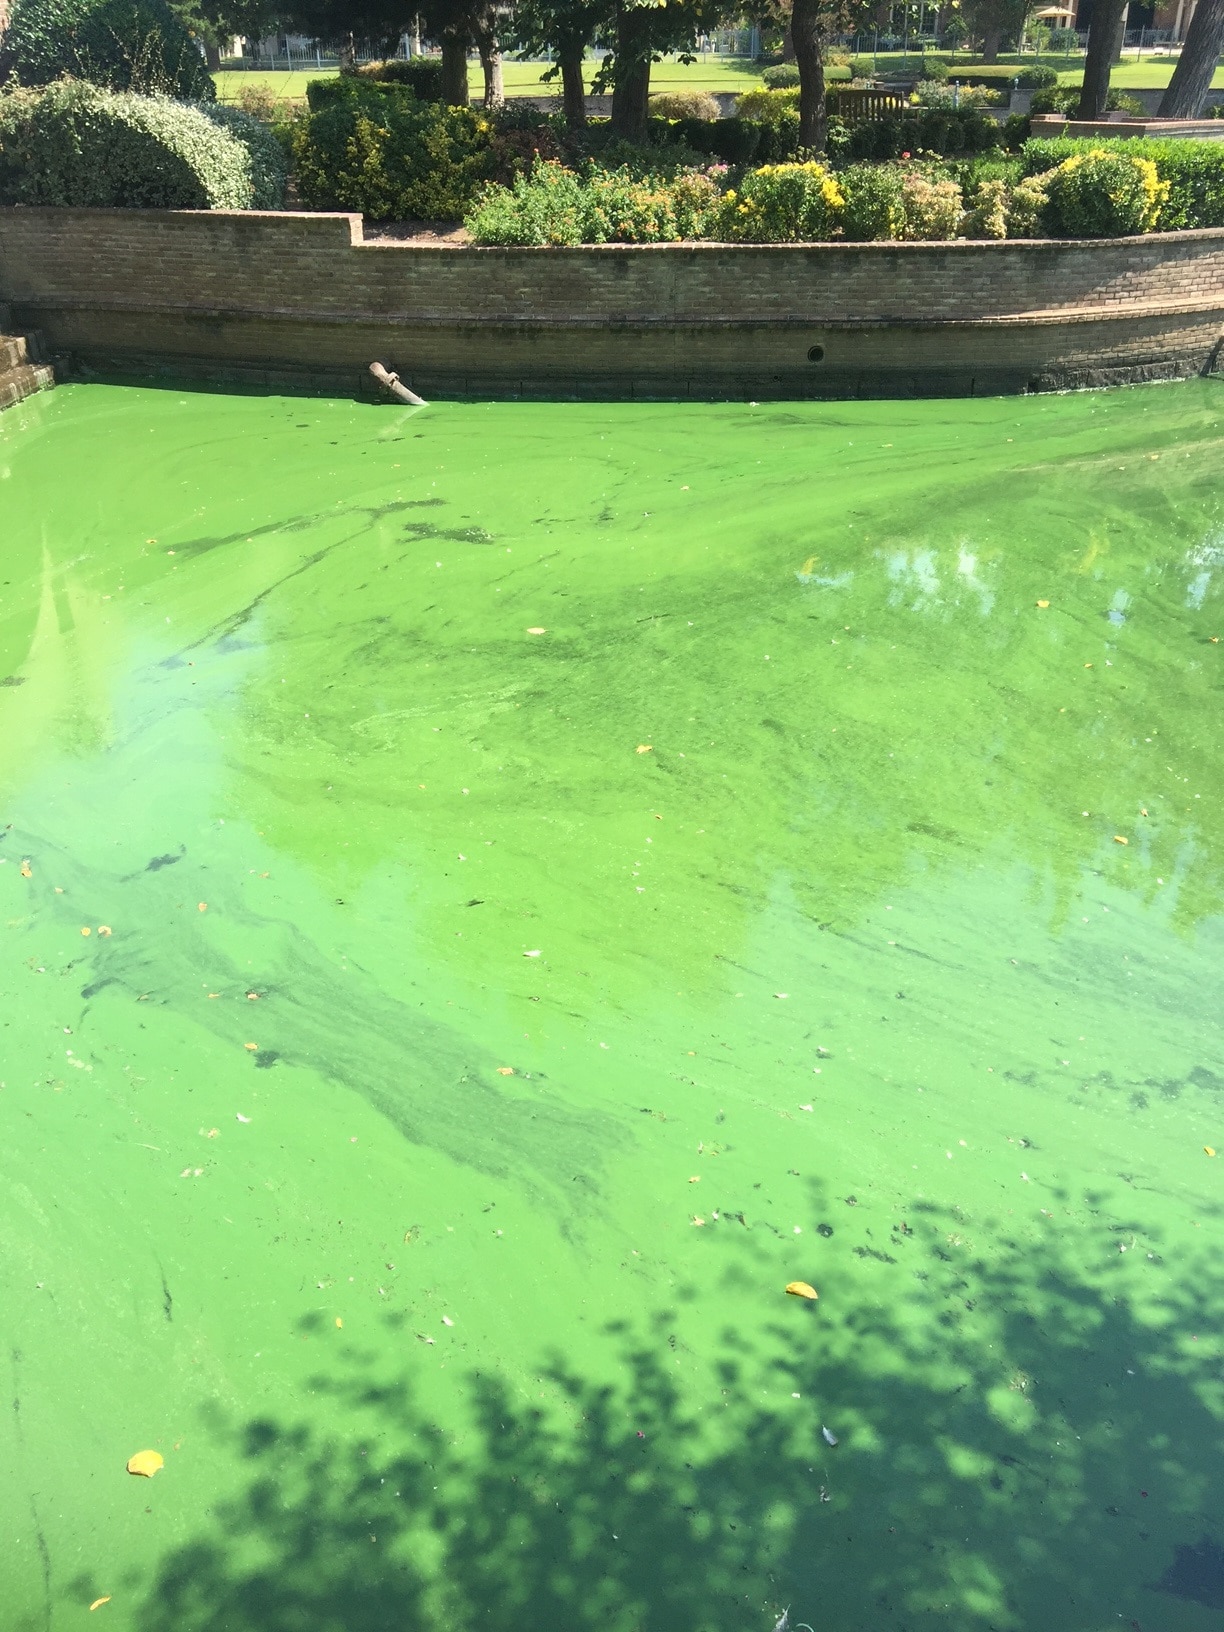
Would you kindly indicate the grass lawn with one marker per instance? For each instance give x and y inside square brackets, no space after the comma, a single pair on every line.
[708,74]
[522,78]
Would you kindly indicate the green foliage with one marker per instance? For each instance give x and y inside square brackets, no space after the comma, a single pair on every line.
[783,203]
[783,77]
[354,89]
[77,144]
[422,75]
[684,105]
[1065,99]
[874,207]
[932,205]
[1193,171]
[137,45]
[924,130]
[736,141]
[267,163]
[556,206]
[392,157]
[1099,194]
[769,107]
[932,94]
[935,72]
[986,216]
[1037,78]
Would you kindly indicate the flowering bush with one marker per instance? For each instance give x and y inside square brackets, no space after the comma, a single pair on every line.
[553,205]
[783,203]
[932,207]
[1103,195]
[684,105]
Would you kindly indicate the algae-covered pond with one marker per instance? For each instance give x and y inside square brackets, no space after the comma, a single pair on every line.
[492,894]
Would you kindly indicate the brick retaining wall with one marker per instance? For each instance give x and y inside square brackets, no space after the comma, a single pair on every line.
[303,299]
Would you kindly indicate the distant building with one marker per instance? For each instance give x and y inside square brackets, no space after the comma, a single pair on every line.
[1175,15]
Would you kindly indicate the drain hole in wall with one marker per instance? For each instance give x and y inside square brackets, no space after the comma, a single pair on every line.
[815,354]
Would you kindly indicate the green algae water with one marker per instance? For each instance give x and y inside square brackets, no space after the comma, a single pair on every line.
[492,894]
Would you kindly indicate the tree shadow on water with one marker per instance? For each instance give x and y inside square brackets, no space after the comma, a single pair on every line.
[1026,1438]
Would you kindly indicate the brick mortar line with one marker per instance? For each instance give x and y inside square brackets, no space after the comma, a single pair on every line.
[1111,310]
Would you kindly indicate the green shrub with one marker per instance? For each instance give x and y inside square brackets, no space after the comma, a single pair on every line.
[1099,194]
[932,206]
[735,140]
[1026,208]
[1194,172]
[924,130]
[769,107]
[874,208]
[782,78]
[684,105]
[935,72]
[986,216]
[354,90]
[422,75]
[936,95]
[77,144]
[267,164]
[555,206]
[137,45]
[1037,78]
[393,158]
[779,138]
[783,203]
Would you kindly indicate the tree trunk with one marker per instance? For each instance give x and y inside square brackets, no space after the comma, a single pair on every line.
[788,44]
[212,56]
[1192,77]
[631,92]
[348,54]
[1098,62]
[991,41]
[573,91]
[807,30]
[1120,37]
[491,64]
[455,70]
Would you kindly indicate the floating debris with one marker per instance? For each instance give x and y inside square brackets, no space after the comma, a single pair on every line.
[146,1463]
[801,1289]
[829,1437]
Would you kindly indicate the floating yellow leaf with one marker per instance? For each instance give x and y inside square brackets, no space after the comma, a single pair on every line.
[1208,1149]
[146,1463]
[201,906]
[505,1070]
[98,1602]
[537,631]
[26,870]
[86,931]
[644,748]
[339,1322]
[1118,839]
[801,1289]
[104,929]
[1043,604]
[253,1048]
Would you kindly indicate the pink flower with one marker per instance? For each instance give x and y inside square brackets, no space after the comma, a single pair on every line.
[905,155]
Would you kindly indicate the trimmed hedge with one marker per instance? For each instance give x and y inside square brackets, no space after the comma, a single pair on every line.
[422,75]
[137,45]
[923,130]
[1194,172]
[79,145]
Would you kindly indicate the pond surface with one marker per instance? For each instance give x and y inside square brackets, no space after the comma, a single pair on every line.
[491,894]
